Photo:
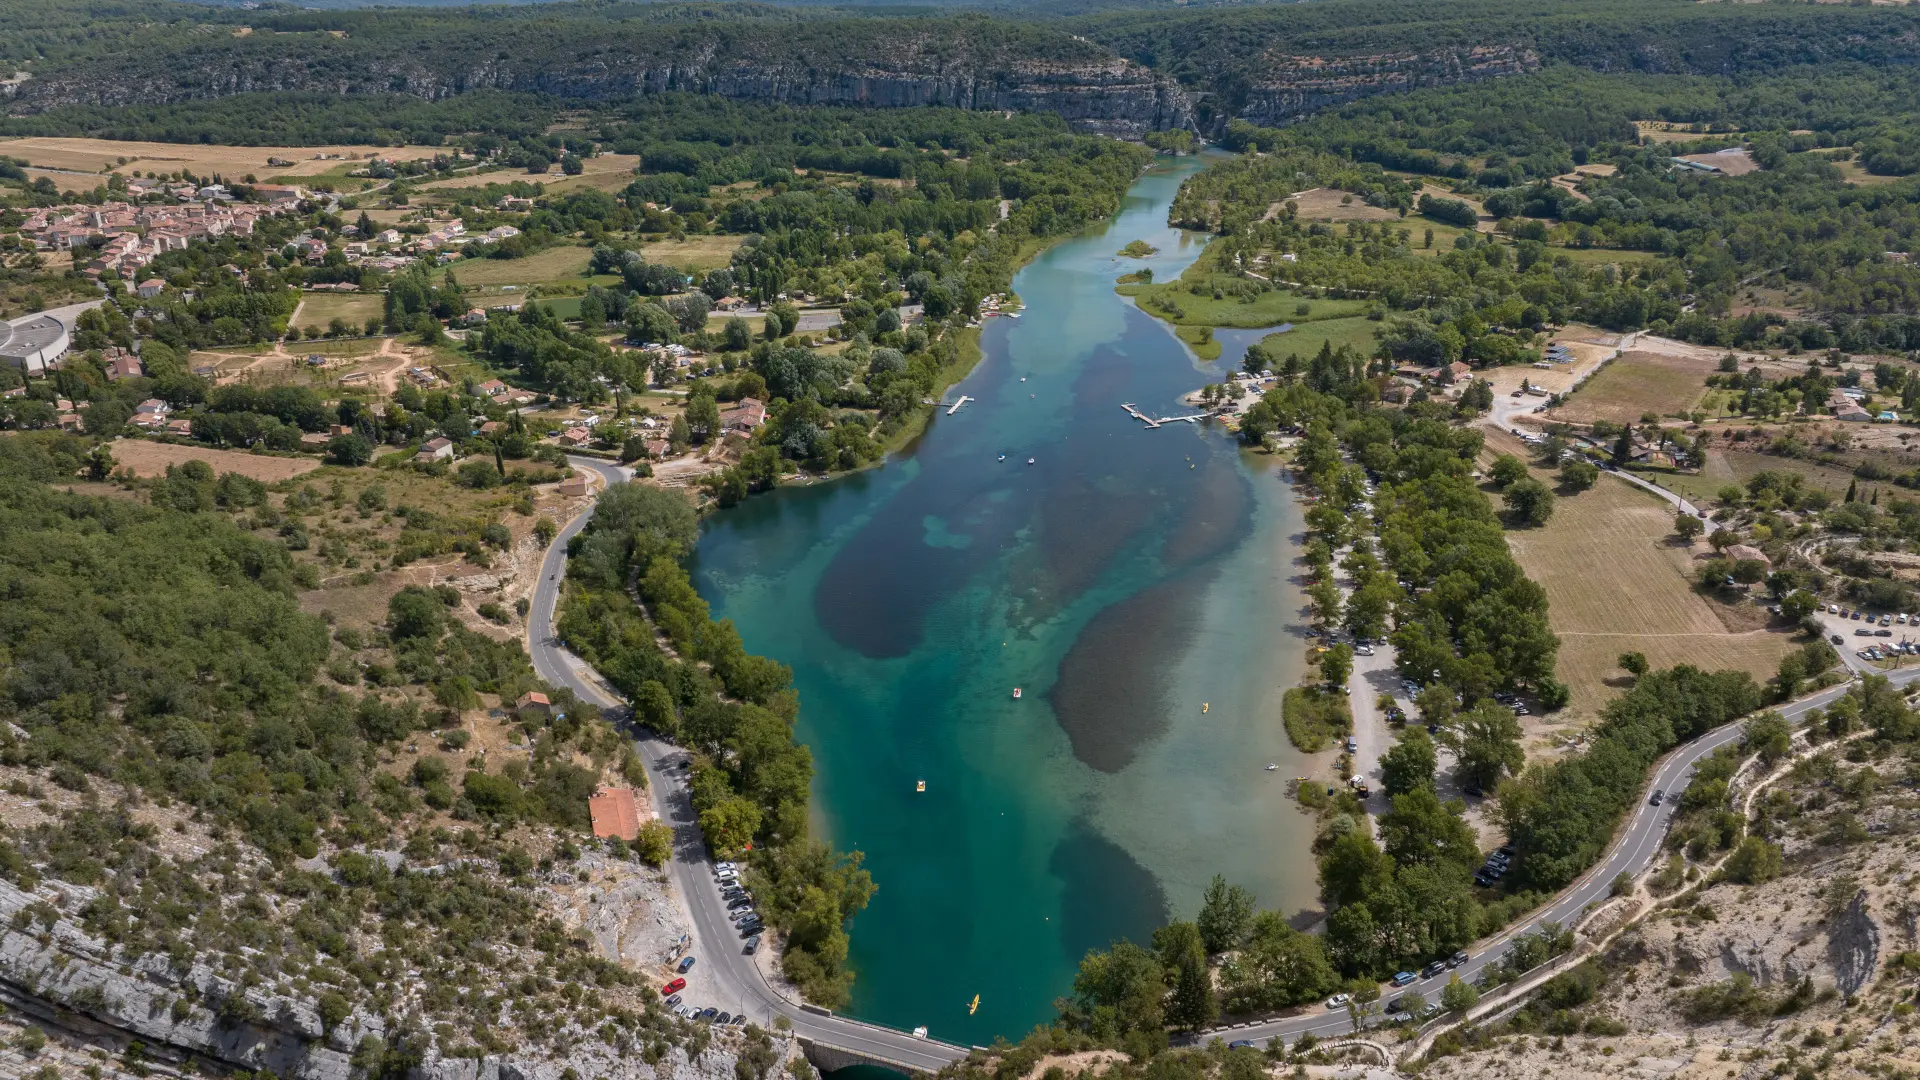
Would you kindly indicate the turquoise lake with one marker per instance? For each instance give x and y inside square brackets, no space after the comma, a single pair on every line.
[1135,584]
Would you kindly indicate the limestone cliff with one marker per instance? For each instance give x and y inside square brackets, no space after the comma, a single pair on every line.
[1292,86]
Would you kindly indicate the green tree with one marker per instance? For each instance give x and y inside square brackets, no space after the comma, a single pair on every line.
[1437,704]
[415,612]
[1490,747]
[1768,735]
[1686,526]
[1278,966]
[1193,1005]
[1529,501]
[1458,995]
[1797,605]
[1579,474]
[703,415]
[1420,830]
[730,823]
[1507,470]
[1336,664]
[1409,763]
[1117,992]
[1753,862]
[1635,663]
[1226,912]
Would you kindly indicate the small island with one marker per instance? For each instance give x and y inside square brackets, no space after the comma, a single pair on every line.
[1139,249]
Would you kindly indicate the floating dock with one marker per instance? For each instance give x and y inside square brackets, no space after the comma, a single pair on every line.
[956,405]
[1134,411]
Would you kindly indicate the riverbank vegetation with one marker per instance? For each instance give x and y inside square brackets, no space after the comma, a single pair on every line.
[1315,718]
[690,679]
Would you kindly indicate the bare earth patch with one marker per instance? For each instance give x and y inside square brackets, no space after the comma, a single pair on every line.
[102,155]
[143,458]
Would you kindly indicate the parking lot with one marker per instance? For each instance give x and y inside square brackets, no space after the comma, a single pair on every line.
[1871,638]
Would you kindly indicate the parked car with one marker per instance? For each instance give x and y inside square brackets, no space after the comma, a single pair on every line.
[1883,633]
[673,988]
[753,945]
[709,1013]
[1457,959]
[673,1000]
[1353,745]
[1338,1001]
[1474,791]
[686,965]
[1241,1044]
[723,1018]
[1403,978]
[1836,639]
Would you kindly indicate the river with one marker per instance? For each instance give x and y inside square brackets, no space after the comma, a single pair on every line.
[1135,585]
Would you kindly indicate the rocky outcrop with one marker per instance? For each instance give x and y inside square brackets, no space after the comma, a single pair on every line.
[59,976]
[1093,91]
[53,970]
[1292,86]
[1853,945]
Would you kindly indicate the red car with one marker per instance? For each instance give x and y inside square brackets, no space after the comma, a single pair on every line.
[673,988]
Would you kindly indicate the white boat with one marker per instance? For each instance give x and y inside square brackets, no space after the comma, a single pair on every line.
[1271,767]
[1003,457]
[1016,693]
[1029,461]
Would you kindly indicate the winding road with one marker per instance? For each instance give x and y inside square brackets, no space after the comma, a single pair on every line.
[723,975]
[1633,849]
[727,978]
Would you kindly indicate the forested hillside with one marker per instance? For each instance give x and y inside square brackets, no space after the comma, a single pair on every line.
[1125,71]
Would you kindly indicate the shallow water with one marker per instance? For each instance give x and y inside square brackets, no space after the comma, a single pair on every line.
[1122,580]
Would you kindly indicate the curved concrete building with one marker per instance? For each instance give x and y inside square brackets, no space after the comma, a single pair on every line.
[35,343]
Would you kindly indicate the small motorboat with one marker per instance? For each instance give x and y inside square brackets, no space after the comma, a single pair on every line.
[1023,378]
[1029,461]
[1003,457]
[920,785]
[1016,693]
[1271,767]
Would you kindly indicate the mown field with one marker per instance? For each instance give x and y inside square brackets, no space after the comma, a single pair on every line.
[1636,384]
[319,309]
[201,159]
[1617,582]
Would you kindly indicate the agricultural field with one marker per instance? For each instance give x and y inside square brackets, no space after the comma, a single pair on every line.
[1636,384]
[111,155]
[1326,204]
[1645,602]
[608,172]
[320,309]
[700,252]
[146,459]
[554,265]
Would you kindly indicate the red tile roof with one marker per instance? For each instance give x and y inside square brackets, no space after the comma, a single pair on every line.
[615,813]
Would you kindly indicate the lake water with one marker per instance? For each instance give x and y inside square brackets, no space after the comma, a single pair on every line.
[1134,583]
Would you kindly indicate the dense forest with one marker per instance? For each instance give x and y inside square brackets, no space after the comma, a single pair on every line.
[161,63]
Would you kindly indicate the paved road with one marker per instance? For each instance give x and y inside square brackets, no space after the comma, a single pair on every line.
[723,977]
[726,978]
[1638,847]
